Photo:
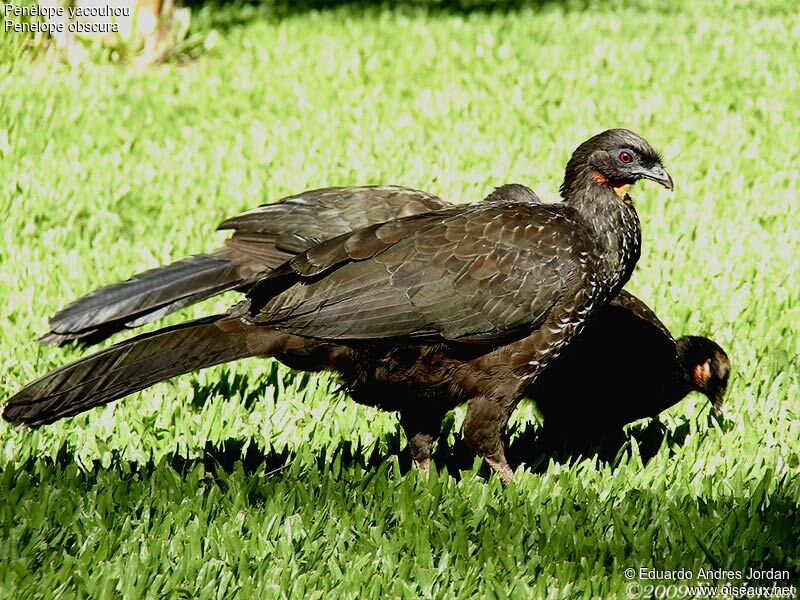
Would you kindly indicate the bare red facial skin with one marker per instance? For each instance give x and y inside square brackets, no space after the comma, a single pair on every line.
[701,375]
[620,190]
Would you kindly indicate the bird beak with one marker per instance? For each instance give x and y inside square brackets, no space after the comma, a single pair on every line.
[718,394]
[658,174]
[717,397]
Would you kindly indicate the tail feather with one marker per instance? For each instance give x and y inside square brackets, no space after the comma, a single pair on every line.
[134,365]
[143,298]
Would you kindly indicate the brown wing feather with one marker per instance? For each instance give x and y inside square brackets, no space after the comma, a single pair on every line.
[325,213]
[264,239]
[480,273]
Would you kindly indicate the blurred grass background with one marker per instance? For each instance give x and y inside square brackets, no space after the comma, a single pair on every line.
[249,479]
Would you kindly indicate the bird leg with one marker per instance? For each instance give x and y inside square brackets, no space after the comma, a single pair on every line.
[421,450]
[422,426]
[483,429]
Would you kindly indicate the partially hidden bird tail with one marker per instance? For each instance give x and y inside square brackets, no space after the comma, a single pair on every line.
[143,298]
[136,364]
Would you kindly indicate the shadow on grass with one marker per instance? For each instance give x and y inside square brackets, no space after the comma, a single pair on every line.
[531,447]
[226,14]
[230,383]
[535,447]
[568,444]
[64,512]
[288,8]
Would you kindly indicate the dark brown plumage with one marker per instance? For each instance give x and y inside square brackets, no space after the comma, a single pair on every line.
[262,239]
[463,304]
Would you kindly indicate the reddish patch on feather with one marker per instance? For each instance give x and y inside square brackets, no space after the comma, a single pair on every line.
[702,373]
[620,190]
[599,178]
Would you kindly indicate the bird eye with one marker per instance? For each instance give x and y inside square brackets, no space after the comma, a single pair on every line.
[625,157]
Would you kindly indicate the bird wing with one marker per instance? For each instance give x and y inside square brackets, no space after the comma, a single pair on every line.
[264,238]
[272,233]
[325,213]
[477,274]
[268,235]
[638,310]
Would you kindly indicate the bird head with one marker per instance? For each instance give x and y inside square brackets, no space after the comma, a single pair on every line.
[707,367]
[614,159]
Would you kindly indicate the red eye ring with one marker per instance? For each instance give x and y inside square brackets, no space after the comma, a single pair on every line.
[625,157]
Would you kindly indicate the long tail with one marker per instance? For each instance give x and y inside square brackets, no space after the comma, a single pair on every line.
[136,364]
[143,298]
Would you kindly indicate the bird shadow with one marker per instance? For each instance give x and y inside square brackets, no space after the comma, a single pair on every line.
[230,383]
[535,448]
[531,446]
[528,448]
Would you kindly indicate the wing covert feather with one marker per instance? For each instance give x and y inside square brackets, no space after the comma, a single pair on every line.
[477,273]
[325,213]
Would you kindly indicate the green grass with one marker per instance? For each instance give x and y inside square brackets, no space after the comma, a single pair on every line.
[251,479]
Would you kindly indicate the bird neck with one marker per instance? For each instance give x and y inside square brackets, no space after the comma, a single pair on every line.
[614,225]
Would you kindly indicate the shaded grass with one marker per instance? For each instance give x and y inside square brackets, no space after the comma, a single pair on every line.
[105,172]
[156,531]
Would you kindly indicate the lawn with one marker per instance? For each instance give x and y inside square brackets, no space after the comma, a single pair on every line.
[251,480]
